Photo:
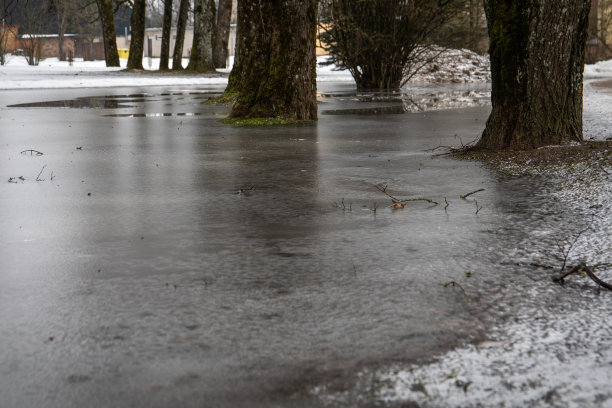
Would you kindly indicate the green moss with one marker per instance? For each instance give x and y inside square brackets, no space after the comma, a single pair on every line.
[261,122]
[225,99]
[509,43]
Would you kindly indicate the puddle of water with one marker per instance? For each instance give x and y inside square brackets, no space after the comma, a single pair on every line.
[417,100]
[78,103]
[153,115]
[208,264]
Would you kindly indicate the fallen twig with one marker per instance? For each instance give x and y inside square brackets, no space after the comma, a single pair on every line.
[398,202]
[584,268]
[41,170]
[453,283]
[32,152]
[464,196]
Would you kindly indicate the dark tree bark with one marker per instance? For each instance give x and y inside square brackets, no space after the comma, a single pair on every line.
[137,20]
[220,50]
[181,24]
[201,58]
[275,74]
[61,9]
[166,31]
[537,51]
[111,55]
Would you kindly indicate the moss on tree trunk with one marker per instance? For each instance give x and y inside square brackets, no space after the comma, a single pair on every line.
[275,72]
[220,50]
[111,55]
[537,50]
[138,31]
[181,24]
[166,29]
[201,59]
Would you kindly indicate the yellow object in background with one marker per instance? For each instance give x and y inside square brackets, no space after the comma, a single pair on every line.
[123,52]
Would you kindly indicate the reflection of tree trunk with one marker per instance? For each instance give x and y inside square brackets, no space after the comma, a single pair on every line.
[224,16]
[276,61]
[111,55]
[201,59]
[536,71]
[138,30]
[180,36]
[166,30]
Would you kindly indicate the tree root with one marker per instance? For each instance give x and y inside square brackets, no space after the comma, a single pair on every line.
[584,268]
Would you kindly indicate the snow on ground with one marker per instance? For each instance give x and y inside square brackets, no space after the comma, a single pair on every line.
[52,73]
[456,66]
[452,66]
[559,354]
[597,120]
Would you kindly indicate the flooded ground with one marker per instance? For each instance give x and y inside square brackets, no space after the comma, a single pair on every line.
[152,256]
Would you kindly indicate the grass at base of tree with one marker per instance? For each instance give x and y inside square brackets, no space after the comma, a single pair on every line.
[225,99]
[549,158]
[263,122]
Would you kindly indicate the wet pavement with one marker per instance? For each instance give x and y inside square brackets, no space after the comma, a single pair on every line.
[154,257]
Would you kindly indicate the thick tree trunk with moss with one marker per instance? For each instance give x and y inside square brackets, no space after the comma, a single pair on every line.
[181,24]
[276,69]
[138,31]
[220,51]
[166,30]
[111,55]
[537,50]
[201,58]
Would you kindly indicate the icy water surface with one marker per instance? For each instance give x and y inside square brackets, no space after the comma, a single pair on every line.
[154,257]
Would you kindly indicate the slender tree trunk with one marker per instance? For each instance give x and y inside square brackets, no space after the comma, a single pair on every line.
[138,31]
[201,58]
[111,55]
[220,50]
[180,36]
[537,51]
[166,31]
[277,60]
[61,29]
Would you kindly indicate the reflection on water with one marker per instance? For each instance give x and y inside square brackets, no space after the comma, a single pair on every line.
[133,100]
[80,103]
[420,100]
[166,285]
[152,115]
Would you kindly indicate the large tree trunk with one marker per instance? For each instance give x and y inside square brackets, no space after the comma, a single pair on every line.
[166,31]
[137,20]
[111,55]
[224,17]
[201,58]
[537,51]
[276,61]
[181,24]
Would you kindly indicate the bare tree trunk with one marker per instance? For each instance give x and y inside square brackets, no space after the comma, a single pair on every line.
[166,31]
[61,8]
[201,59]
[224,16]
[276,61]
[180,36]
[138,30]
[111,55]
[537,51]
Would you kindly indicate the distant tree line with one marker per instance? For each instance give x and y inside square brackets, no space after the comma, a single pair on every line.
[107,18]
